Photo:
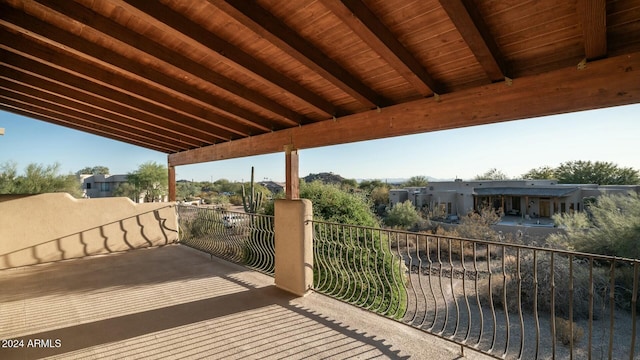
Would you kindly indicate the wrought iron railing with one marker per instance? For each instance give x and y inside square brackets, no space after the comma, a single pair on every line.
[245,239]
[505,300]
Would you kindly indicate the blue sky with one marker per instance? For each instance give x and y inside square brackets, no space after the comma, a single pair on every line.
[513,147]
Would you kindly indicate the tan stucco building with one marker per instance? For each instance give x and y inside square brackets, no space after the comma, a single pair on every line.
[532,198]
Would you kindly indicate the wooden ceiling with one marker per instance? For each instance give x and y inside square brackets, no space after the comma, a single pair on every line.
[216,79]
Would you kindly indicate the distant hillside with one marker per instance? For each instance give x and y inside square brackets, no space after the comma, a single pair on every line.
[399,181]
[331,178]
[325,177]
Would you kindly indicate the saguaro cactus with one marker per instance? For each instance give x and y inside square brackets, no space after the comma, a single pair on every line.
[253,200]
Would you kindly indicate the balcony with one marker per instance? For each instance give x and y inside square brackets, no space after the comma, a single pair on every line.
[177,302]
[107,278]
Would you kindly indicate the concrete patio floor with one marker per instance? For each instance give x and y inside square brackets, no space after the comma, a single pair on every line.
[176,302]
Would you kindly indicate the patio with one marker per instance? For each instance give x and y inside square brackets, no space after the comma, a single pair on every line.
[176,302]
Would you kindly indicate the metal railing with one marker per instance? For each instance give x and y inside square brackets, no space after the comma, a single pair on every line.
[505,300]
[245,239]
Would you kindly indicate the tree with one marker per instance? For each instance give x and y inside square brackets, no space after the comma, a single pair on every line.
[349,184]
[369,185]
[187,189]
[403,215]
[8,174]
[380,196]
[492,174]
[126,190]
[598,172]
[330,203]
[95,170]
[151,180]
[416,181]
[37,179]
[609,226]
[543,172]
[477,225]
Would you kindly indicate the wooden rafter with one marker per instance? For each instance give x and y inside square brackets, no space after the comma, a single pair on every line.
[149,77]
[470,25]
[266,25]
[228,53]
[83,71]
[51,79]
[363,22]
[118,112]
[30,110]
[593,14]
[193,69]
[92,114]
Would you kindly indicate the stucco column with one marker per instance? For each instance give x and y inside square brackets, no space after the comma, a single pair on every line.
[294,247]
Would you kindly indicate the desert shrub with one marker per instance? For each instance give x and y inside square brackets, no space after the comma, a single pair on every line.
[563,331]
[235,200]
[403,216]
[477,225]
[449,244]
[561,289]
[200,223]
[609,226]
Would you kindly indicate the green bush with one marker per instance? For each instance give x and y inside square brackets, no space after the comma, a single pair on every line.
[330,203]
[356,265]
[610,226]
[403,216]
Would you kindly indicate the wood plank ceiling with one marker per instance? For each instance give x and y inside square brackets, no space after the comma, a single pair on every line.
[249,77]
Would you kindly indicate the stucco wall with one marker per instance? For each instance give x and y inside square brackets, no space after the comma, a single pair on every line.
[50,227]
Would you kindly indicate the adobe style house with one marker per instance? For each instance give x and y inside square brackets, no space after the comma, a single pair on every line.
[99,186]
[102,186]
[527,198]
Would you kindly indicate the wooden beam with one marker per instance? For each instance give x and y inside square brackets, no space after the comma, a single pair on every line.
[371,30]
[292,176]
[172,183]
[263,23]
[475,33]
[220,50]
[608,82]
[593,14]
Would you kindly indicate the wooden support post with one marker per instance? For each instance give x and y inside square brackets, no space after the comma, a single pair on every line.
[292,188]
[172,183]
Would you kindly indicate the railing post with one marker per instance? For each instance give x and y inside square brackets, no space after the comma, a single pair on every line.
[293,245]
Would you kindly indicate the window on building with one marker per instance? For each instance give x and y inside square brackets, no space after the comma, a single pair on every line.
[88,185]
[104,187]
[449,208]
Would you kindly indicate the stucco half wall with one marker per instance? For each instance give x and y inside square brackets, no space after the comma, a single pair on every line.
[50,227]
